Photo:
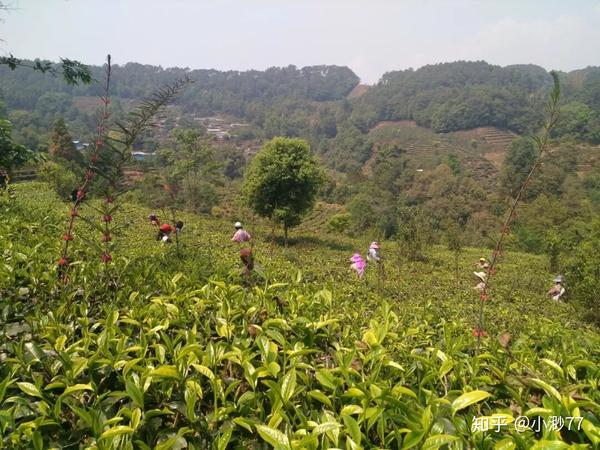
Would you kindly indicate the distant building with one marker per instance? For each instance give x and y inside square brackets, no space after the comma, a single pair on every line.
[142,156]
[80,146]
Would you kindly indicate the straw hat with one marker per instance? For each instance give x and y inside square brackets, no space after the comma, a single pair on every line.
[481,275]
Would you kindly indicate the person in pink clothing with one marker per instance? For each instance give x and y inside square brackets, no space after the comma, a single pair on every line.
[358,264]
[240,235]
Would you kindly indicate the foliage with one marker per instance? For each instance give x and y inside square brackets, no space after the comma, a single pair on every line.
[309,359]
[517,164]
[282,181]
[61,143]
[190,170]
[73,72]
[583,271]
[11,155]
[60,177]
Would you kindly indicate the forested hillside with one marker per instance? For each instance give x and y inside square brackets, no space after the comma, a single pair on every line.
[442,140]
[314,102]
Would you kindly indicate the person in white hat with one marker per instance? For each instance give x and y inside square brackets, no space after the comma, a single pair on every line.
[558,290]
[481,276]
[373,255]
[240,235]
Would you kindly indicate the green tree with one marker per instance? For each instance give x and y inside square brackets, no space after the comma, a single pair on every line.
[11,154]
[583,272]
[61,142]
[282,182]
[194,169]
[518,163]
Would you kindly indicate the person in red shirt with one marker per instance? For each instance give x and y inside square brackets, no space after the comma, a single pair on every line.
[164,232]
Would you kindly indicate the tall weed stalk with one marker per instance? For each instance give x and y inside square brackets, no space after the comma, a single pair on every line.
[110,156]
[541,142]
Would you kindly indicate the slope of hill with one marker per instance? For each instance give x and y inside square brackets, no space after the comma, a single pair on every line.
[427,149]
[171,350]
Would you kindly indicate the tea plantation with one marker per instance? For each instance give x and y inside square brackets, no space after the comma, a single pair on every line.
[161,349]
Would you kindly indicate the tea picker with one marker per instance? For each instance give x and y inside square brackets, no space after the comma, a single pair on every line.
[558,290]
[164,233]
[240,234]
[481,276]
[358,264]
[153,219]
[374,257]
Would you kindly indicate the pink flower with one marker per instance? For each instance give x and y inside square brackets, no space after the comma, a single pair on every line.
[68,237]
[106,258]
[107,218]
[62,261]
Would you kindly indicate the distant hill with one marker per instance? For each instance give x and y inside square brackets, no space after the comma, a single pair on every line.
[323,104]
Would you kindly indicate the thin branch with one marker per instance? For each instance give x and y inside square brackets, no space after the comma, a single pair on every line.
[542,143]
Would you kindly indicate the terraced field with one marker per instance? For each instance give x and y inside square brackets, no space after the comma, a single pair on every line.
[427,149]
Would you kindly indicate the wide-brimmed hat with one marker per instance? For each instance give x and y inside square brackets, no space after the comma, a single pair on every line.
[482,259]
[374,245]
[481,275]
[238,225]
[558,279]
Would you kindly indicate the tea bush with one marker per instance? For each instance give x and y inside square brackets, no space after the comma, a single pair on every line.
[157,351]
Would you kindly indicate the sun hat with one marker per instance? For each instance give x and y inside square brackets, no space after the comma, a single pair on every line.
[374,245]
[482,259]
[558,279]
[481,275]
[238,225]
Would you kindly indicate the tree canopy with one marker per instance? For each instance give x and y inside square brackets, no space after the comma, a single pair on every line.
[282,181]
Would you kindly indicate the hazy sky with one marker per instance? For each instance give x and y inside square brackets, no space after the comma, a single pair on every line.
[369,36]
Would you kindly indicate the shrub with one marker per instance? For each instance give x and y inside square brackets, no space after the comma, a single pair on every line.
[339,223]
[61,178]
[583,272]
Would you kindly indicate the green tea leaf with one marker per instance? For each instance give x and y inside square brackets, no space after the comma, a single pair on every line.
[274,437]
[116,431]
[288,385]
[135,393]
[550,390]
[438,440]
[29,389]
[77,388]
[469,398]
[165,372]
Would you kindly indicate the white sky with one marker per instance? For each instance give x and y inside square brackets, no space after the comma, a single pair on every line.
[369,36]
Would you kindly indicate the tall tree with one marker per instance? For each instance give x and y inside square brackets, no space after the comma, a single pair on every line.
[61,142]
[11,154]
[282,182]
[518,163]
